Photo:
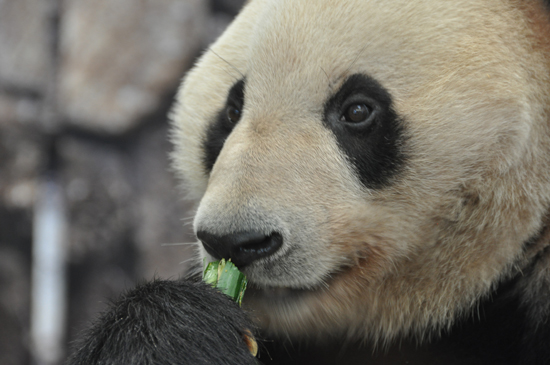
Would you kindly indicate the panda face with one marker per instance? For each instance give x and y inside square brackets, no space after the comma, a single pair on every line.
[366,163]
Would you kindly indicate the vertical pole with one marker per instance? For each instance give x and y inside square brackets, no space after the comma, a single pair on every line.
[48,287]
[48,291]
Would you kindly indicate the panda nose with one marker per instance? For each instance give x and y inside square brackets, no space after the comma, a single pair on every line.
[242,248]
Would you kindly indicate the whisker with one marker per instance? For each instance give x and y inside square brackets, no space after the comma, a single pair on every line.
[194,259]
[224,60]
[179,244]
[355,60]
[328,78]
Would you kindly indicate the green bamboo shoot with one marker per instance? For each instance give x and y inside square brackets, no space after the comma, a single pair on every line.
[225,276]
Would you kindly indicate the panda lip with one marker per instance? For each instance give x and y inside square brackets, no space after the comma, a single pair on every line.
[288,292]
[278,292]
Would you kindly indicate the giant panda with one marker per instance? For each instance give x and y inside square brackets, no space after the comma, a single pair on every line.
[380,170]
[377,168]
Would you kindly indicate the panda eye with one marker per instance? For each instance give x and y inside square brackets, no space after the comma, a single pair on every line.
[356,113]
[233,114]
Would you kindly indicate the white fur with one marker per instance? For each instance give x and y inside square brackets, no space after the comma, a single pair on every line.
[470,78]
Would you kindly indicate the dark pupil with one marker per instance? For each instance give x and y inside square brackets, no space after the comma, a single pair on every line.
[357,113]
[233,114]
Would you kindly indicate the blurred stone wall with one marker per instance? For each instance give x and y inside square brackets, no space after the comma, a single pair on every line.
[85,87]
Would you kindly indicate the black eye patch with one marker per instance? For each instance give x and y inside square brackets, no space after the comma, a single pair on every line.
[225,121]
[367,129]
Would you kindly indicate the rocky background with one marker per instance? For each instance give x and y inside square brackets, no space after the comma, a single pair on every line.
[85,88]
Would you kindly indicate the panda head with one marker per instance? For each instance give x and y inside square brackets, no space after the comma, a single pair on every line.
[374,168]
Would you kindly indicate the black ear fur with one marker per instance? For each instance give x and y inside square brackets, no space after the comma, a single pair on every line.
[167,322]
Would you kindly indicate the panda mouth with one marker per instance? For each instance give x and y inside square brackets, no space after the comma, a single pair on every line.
[287,293]
[273,293]
[277,292]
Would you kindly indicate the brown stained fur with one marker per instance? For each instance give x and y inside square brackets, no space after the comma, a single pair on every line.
[537,18]
[470,79]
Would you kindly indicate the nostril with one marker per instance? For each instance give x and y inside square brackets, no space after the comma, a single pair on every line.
[243,247]
[213,245]
[263,246]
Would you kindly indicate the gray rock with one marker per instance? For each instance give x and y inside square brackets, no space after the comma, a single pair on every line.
[14,306]
[163,231]
[21,161]
[125,217]
[20,110]
[125,194]
[100,197]
[230,7]
[120,57]
[102,103]
[24,43]
[216,25]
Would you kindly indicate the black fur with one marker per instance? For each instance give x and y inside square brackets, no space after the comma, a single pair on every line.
[510,327]
[534,293]
[167,322]
[513,324]
[220,129]
[376,148]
